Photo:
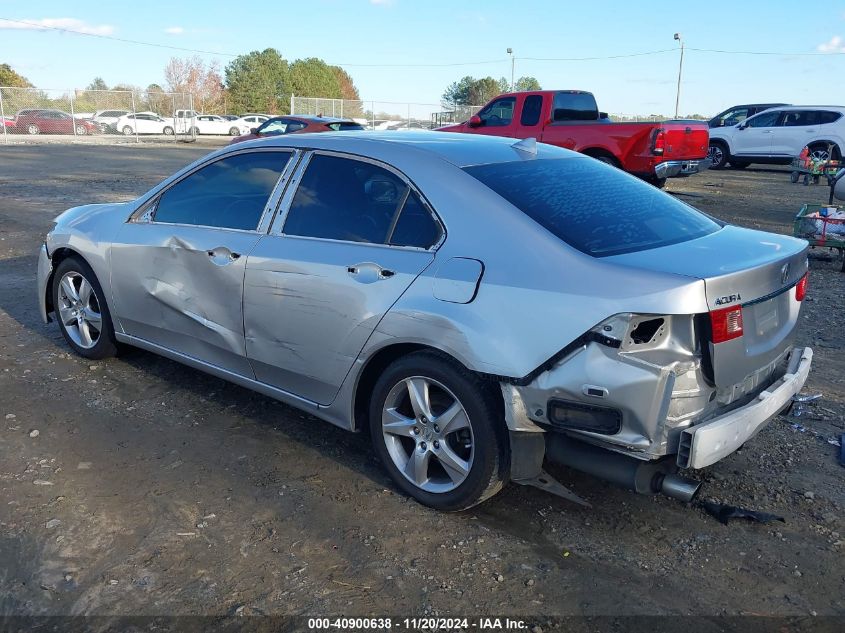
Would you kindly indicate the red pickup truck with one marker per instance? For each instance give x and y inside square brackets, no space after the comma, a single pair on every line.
[571,119]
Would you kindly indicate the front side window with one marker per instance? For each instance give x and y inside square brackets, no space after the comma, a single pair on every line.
[620,215]
[766,119]
[354,201]
[499,113]
[732,117]
[229,193]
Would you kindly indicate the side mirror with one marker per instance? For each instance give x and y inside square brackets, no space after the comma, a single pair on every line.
[742,126]
[839,187]
[475,121]
[253,130]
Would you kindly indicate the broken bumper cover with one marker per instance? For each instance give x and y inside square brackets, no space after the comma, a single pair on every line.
[707,443]
[676,168]
[45,269]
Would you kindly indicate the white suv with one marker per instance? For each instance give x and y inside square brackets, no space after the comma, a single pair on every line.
[777,135]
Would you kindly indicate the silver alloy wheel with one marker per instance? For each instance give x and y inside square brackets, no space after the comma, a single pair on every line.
[80,130]
[428,434]
[79,310]
[32,129]
[127,131]
[820,155]
[715,154]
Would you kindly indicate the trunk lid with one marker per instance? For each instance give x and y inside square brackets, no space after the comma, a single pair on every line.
[739,267]
[684,141]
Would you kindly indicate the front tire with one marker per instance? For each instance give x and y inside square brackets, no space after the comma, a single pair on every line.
[81,130]
[718,154]
[233,131]
[128,131]
[81,310]
[168,131]
[439,430]
[33,129]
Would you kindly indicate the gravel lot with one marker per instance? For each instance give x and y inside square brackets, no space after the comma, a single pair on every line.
[139,486]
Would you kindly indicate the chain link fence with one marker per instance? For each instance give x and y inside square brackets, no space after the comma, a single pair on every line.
[30,115]
[384,115]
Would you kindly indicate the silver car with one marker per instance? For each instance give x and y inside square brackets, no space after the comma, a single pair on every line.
[479,305]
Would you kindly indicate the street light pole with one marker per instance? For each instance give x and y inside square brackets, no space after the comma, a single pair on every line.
[510,52]
[680,71]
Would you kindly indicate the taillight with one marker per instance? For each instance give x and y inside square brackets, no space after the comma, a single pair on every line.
[659,143]
[801,288]
[726,324]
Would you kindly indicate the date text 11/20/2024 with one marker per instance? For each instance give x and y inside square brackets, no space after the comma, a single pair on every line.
[418,624]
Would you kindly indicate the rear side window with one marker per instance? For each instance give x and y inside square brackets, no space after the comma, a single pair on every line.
[531,110]
[229,193]
[574,106]
[826,116]
[344,126]
[415,226]
[592,207]
[357,201]
[800,118]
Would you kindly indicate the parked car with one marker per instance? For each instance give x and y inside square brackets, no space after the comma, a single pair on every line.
[571,119]
[738,114]
[255,120]
[107,119]
[479,304]
[278,126]
[777,135]
[214,124]
[37,121]
[143,123]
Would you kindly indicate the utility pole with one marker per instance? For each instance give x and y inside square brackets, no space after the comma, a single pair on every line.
[510,52]
[680,71]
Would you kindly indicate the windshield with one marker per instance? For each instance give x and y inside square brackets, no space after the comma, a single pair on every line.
[594,207]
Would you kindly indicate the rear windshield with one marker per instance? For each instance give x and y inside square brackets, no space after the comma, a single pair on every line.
[594,207]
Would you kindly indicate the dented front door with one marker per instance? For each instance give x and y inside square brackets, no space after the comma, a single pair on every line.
[181,287]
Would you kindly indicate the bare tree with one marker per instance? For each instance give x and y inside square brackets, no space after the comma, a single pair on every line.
[203,81]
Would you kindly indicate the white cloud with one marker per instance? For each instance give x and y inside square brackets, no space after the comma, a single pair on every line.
[174,30]
[835,45]
[45,24]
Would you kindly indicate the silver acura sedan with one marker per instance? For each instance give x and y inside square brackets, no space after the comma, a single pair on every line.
[479,305]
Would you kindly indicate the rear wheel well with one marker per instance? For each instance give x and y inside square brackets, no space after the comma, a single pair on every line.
[378,363]
[835,152]
[603,155]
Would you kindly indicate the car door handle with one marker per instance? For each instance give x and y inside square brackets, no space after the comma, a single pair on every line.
[368,272]
[222,256]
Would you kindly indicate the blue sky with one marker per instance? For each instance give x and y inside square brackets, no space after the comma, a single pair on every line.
[359,32]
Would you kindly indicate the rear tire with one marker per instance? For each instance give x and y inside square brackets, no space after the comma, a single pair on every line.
[168,131]
[660,183]
[233,131]
[718,154]
[451,440]
[33,129]
[819,152]
[81,130]
[81,310]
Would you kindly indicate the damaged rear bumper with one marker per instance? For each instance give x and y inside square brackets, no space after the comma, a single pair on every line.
[707,443]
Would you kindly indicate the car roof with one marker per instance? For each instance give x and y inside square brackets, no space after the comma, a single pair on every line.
[810,107]
[312,118]
[461,150]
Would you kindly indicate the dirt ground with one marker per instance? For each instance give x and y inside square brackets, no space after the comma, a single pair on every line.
[150,488]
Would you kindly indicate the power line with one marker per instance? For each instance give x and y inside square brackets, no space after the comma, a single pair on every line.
[714,50]
[39,26]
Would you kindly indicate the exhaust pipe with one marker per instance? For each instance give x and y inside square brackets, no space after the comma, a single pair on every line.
[679,487]
[640,476]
